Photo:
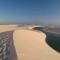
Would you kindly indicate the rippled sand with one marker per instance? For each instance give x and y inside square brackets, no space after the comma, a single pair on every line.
[31,45]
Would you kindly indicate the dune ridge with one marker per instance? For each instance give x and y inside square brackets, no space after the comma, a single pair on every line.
[33,46]
[30,44]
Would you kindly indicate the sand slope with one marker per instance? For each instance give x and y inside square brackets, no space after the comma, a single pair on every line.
[30,45]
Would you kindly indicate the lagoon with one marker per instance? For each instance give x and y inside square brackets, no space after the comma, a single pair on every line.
[52,39]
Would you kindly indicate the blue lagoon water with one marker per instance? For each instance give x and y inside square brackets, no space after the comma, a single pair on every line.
[52,39]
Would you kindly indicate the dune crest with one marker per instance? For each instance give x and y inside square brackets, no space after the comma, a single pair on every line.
[30,44]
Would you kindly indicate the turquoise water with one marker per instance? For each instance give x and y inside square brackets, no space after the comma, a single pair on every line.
[52,39]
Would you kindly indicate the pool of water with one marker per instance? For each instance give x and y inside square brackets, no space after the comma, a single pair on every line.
[52,39]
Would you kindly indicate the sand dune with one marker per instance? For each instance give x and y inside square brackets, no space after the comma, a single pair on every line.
[31,45]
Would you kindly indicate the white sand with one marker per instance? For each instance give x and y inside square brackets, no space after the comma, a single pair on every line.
[31,45]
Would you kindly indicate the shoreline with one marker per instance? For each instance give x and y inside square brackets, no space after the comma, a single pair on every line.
[30,45]
[52,39]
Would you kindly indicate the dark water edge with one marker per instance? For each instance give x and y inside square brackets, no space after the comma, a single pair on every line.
[52,39]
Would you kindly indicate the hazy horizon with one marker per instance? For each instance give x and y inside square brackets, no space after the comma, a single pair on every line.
[30,11]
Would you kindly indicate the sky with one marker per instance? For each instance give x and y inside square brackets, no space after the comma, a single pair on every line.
[30,11]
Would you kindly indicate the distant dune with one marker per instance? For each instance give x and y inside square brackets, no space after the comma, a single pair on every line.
[30,44]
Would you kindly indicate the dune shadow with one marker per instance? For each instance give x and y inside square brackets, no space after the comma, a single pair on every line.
[7,48]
